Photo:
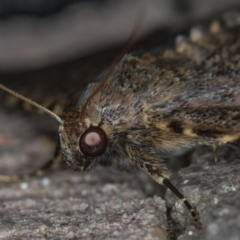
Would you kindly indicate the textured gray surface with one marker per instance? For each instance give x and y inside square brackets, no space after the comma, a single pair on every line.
[73,206]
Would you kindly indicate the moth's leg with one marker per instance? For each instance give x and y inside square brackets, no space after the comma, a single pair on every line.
[163,180]
[37,173]
[193,211]
[158,172]
[214,147]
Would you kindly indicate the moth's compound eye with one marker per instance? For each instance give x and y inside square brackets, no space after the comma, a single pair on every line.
[93,142]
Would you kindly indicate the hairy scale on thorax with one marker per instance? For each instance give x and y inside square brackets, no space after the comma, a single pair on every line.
[150,105]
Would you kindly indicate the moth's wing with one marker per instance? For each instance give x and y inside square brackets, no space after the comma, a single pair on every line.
[197,93]
[209,108]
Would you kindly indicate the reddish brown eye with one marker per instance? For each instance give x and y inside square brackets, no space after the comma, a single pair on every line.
[93,142]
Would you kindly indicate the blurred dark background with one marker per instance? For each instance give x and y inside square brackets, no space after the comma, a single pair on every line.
[41,33]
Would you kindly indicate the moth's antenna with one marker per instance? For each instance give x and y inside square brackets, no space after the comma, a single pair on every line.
[32,103]
[132,39]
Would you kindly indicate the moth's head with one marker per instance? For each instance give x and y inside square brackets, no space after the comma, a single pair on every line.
[83,143]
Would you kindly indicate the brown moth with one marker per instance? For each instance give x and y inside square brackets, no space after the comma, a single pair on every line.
[146,106]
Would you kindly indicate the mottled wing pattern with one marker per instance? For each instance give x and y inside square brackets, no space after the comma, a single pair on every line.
[204,102]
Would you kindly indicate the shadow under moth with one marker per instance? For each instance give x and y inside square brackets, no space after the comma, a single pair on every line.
[148,105]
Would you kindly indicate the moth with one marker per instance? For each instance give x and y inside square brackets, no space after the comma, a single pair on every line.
[147,106]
